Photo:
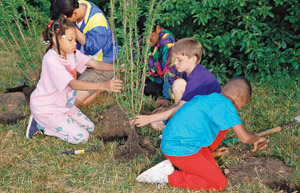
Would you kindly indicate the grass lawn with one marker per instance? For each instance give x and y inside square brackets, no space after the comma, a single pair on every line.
[37,165]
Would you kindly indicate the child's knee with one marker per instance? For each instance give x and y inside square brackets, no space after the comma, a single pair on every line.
[221,184]
[90,127]
[179,85]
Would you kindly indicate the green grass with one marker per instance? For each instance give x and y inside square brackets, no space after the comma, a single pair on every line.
[39,166]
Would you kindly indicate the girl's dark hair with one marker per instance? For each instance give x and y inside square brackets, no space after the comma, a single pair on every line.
[141,25]
[65,7]
[56,28]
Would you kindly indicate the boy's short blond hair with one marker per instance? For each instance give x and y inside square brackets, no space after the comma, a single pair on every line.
[188,47]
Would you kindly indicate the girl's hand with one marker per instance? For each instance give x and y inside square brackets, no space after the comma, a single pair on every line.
[114,85]
[261,143]
[220,152]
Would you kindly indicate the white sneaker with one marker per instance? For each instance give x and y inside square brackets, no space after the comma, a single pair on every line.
[158,173]
[158,125]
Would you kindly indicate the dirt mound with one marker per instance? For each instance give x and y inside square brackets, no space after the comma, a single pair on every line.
[10,107]
[114,124]
[271,171]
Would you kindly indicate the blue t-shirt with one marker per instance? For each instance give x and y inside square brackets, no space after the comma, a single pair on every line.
[197,123]
[200,82]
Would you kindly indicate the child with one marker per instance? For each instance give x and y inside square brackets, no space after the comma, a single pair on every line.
[162,71]
[193,134]
[95,39]
[196,80]
[52,102]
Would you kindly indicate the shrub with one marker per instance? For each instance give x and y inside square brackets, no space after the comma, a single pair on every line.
[20,35]
[239,37]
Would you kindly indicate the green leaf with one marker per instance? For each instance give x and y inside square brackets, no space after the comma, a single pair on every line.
[283,45]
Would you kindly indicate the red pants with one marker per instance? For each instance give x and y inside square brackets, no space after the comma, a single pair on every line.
[199,171]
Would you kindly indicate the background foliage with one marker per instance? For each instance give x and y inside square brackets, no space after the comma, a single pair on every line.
[20,28]
[271,27]
[240,37]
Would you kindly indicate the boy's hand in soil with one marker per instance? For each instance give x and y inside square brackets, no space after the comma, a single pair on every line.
[220,152]
[114,85]
[261,143]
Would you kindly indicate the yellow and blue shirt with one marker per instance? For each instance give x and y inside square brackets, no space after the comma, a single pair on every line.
[98,36]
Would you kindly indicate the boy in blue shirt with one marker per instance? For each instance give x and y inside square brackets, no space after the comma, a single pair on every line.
[196,80]
[193,134]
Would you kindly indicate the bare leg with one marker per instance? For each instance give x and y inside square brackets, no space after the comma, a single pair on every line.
[83,98]
[178,90]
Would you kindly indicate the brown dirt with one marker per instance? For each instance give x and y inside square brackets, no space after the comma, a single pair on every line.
[271,171]
[114,124]
[135,146]
[10,105]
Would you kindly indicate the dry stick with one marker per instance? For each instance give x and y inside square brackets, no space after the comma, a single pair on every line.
[124,29]
[147,48]
[137,46]
[112,3]
[112,28]
[131,64]
[125,43]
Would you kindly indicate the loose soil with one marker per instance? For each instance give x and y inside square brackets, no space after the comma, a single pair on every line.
[115,126]
[10,107]
[271,171]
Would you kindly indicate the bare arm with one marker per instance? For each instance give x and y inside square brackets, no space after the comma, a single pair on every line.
[142,120]
[111,85]
[80,37]
[248,138]
[100,65]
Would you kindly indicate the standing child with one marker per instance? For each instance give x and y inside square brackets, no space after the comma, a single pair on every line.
[196,80]
[52,102]
[193,134]
[94,38]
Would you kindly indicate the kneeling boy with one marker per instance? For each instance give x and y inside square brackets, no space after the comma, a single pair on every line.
[193,134]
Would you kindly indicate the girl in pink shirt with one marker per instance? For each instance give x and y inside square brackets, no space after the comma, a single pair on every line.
[52,102]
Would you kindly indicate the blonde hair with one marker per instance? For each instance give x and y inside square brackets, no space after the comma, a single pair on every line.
[188,47]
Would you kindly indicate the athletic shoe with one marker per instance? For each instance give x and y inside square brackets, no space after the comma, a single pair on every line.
[157,174]
[31,128]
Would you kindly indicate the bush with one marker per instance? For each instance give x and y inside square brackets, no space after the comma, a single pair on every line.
[20,35]
[239,37]
[251,38]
